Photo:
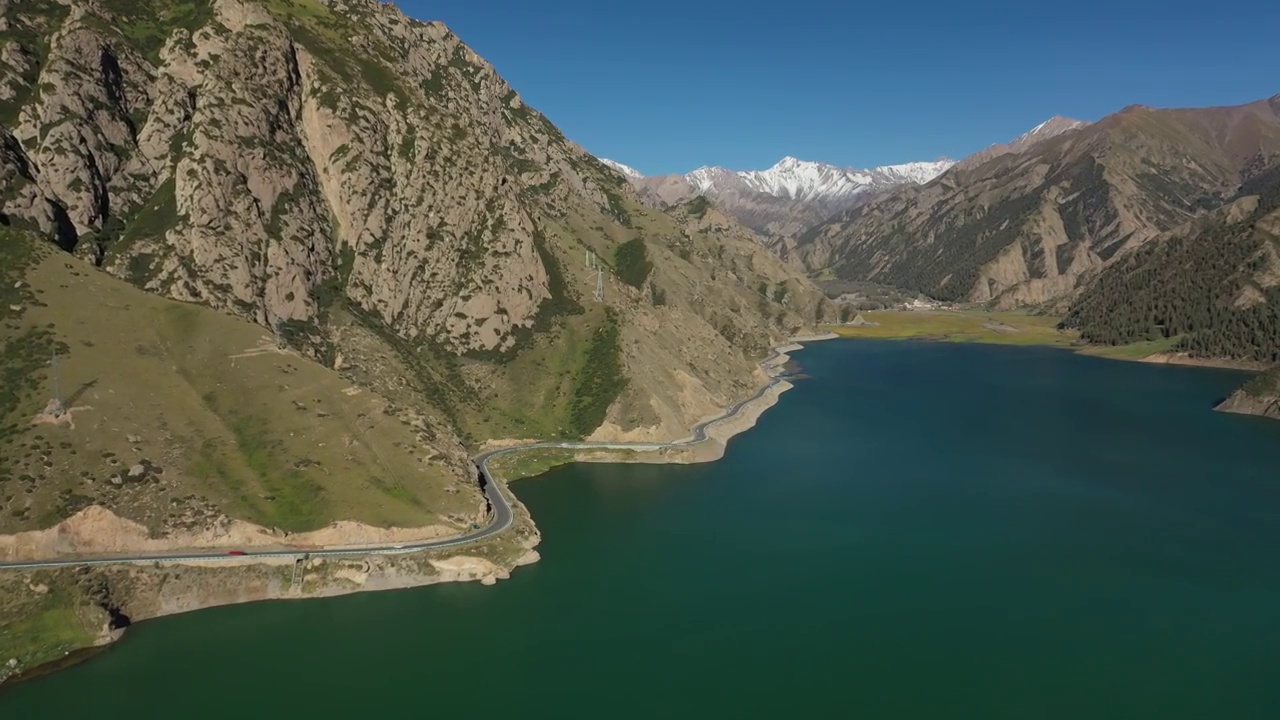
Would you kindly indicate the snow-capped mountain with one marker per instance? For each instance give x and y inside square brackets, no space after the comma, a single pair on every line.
[785,199]
[794,179]
[1052,127]
[795,195]
[624,169]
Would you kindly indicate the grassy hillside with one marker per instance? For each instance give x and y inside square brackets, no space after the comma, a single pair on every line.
[214,415]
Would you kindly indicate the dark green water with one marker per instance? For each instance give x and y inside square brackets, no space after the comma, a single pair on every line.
[917,531]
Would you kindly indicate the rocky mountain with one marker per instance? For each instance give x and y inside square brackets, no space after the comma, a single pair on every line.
[299,259]
[1033,225]
[290,163]
[786,199]
[1050,128]
[295,261]
[1153,228]
[1210,287]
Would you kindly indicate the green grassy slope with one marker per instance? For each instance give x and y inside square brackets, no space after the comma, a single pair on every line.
[214,414]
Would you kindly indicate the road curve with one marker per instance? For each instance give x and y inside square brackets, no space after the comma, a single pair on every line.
[502,513]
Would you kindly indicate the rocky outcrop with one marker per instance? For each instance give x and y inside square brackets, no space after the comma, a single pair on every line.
[1260,397]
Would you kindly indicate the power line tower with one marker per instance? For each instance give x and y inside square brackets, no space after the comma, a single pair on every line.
[600,285]
[697,291]
[56,404]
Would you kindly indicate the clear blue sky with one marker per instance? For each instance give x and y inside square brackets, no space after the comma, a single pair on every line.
[666,86]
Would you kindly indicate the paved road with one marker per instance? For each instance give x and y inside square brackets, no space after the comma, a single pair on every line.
[501,519]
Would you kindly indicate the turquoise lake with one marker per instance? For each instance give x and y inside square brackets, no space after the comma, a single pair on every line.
[917,530]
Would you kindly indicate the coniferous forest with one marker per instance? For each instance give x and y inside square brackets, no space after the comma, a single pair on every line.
[1207,286]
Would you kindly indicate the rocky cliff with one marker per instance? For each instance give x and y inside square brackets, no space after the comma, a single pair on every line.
[316,165]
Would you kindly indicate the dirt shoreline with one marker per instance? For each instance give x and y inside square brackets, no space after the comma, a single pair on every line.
[158,590]
[1185,359]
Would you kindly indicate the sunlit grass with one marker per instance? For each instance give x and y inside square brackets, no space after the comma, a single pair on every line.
[1133,351]
[1005,328]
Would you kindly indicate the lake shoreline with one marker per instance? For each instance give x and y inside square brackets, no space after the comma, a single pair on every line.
[361,575]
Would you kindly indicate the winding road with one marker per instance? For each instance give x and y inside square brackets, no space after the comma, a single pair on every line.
[503,515]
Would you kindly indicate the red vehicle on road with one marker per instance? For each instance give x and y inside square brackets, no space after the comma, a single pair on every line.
[236,552]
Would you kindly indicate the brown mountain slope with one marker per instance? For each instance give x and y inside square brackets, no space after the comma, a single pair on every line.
[370,189]
[1032,227]
[1046,130]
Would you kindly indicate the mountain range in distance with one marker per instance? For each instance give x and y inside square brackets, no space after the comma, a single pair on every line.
[795,195]
[1152,228]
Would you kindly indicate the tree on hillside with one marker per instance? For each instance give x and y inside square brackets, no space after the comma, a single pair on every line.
[631,262]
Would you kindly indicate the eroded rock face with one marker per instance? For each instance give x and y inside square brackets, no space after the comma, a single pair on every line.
[291,166]
[274,170]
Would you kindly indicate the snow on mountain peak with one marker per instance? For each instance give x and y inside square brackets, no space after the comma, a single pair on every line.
[624,169]
[916,172]
[1055,125]
[794,179]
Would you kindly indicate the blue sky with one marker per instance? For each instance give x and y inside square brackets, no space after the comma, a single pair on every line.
[666,86]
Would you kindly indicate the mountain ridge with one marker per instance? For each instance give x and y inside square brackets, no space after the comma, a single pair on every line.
[1046,130]
[1029,226]
[1151,228]
[786,198]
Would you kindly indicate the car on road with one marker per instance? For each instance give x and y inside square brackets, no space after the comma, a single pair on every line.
[237,552]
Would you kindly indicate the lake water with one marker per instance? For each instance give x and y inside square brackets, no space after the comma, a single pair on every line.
[917,531]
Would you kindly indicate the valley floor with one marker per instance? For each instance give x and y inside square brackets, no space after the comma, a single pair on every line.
[1014,328]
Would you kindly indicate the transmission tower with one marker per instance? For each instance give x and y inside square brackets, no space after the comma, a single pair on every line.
[600,285]
[57,386]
